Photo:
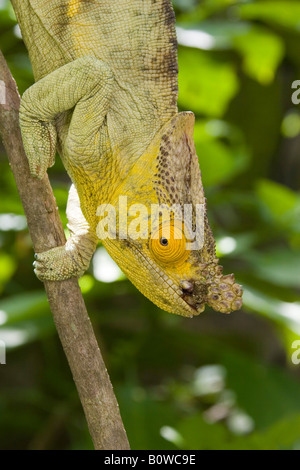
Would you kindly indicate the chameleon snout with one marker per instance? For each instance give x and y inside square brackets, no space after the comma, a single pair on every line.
[191,295]
[222,294]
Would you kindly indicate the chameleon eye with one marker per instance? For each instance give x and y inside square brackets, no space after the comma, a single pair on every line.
[168,244]
[164,241]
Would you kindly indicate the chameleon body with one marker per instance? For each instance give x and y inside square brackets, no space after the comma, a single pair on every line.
[105,97]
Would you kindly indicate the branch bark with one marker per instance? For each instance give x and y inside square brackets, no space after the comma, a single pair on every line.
[65,299]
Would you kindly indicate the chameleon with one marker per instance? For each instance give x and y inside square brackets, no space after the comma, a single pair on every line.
[105,98]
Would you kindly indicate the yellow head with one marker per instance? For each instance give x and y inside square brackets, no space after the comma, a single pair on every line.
[166,250]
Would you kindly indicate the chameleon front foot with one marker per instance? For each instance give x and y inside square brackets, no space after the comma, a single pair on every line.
[73,258]
[60,263]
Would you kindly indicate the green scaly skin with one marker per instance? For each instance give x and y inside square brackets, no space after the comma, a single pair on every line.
[105,97]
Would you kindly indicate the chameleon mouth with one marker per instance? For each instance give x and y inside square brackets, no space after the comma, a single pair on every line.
[192,302]
[188,295]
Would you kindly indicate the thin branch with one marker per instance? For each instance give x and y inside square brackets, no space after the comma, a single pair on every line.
[65,299]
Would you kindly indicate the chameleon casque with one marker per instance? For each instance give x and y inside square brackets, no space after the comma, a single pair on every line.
[105,98]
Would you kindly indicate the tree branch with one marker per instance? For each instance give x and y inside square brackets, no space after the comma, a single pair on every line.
[65,299]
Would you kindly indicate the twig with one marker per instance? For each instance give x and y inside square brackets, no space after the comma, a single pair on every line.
[65,299]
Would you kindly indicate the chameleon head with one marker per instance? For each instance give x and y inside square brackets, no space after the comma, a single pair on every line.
[168,250]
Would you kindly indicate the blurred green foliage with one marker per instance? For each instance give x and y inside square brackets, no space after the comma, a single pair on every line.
[213,382]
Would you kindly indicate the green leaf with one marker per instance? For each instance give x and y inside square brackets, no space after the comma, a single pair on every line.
[278,266]
[265,392]
[144,417]
[216,162]
[262,52]
[210,35]
[185,5]
[27,306]
[284,313]
[283,13]
[7,268]
[197,434]
[219,161]
[277,197]
[25,318]
[25,332]
[206,85]
[282,434]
